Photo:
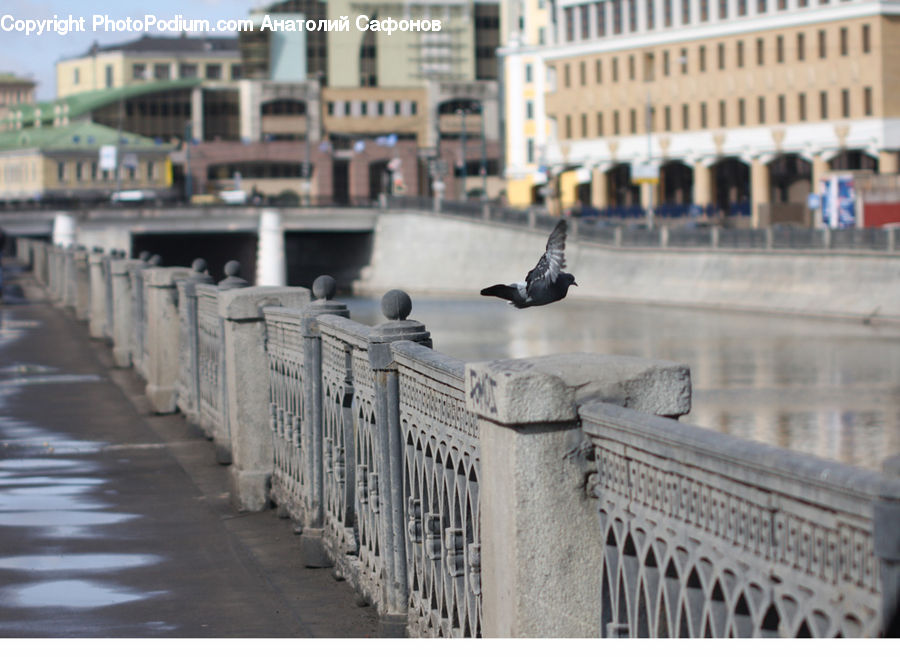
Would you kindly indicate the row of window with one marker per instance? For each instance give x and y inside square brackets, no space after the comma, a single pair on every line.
[17,97]
[703,118]
[779,54]
[90,171]
[350,108]
[139,71]
[594,20]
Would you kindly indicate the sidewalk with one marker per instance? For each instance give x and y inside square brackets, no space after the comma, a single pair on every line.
[115,522]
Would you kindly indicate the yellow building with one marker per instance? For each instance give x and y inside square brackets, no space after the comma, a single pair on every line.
[149,58]
[741,106]
[65,163]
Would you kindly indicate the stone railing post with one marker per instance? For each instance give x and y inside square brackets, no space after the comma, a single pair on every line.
[312,550]
[109,322]
[541,541]
[98,296]
[396,306]
[67,290]
[82,285]
[161,341]
[188,397]
[886,537]
[247,386]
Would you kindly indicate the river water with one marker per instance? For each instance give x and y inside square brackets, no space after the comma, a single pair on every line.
[824,387]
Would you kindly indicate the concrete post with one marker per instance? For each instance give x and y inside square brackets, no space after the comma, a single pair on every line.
[67,290]
[396,306]
[82,285]
[64,229]
[161,341]
[539,556]
[312,551]
[270,264]
[886,539]
[122,310]
[188,399]
[247,387]
[98,296]
[760,193]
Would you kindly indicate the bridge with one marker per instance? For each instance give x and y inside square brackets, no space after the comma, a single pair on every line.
[552,496]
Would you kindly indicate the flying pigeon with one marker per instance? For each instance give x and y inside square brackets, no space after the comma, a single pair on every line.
[544,284]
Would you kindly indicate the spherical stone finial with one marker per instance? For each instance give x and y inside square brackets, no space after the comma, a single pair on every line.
[199,265]
[145,256]
[232,268]
[396,304]
[155,261]
[324,287]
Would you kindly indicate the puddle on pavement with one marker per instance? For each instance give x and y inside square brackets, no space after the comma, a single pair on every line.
[70,562]
[77,593]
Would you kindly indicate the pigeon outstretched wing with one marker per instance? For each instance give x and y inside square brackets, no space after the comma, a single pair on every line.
[553,260]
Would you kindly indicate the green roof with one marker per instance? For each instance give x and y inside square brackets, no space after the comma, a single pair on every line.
[78,105]
[77,136]
[12,77]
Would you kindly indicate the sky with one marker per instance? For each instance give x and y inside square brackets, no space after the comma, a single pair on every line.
[35,56]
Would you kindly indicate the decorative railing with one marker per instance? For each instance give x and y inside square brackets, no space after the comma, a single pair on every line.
[211,362]
[706,535]
[550,496]
[441,478]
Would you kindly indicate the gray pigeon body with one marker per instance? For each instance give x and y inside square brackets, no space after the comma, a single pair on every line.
[544,284]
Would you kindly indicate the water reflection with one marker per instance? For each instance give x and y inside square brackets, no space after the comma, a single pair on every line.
[828,388]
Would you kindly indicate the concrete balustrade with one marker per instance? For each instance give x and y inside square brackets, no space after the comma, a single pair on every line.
[553,496]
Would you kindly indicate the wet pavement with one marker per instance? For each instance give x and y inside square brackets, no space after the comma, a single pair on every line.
[115,522]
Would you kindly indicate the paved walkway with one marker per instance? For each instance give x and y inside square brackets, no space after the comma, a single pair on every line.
[115,522]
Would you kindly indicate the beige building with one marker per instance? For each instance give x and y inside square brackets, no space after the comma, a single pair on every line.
[149,58]
[741,106]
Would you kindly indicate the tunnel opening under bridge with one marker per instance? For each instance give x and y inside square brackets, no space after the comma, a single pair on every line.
[308,254]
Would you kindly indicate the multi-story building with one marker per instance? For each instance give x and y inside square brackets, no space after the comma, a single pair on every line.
[66,163]
[149,58]
[15,90]
[741,105]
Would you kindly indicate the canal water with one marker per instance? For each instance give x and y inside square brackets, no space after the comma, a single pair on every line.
[824,387]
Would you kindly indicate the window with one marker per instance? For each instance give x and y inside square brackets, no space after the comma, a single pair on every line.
[348,108]
[584,130]
[685,117]
[721,56]
[703,115]
[742,8]
[822,45]
[569,18]
[651,16]
[151,173]
[161,71]
[363,108]
[529,109]
[213,71]
[760,52]
[723,113]
[667,118]
[598,71]
[236,72]
[617,16]
[567,78]
[704,11]
[79,170]
[631,67]
[139,71]
[379,108]
[761,109]
[413,108]
[330,108]
[801,46]
[801,106]
[616,122]
[601,18]
[666,63]
[760,6]
[779,49]
[782,109]
[585,22]
[109,76]
[742,112]
[529,153]
[649,67]
[823,105]
[740,54]
[61,171]
[845,103]
[568,124]
[723,9]
[684,60]
[527,72]
[845,46]
[866,38]
[685,12]
[615,67]
[702,59]
[599,124]
[582,73]
[76,76]
[867,101]
[632,116]
[667,13]
[632,15]
[187,71]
